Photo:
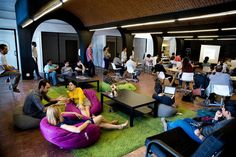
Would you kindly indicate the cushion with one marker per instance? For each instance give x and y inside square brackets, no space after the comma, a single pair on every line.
[68,140]
[96,107]
[23,121]
[105,87]
[166,111]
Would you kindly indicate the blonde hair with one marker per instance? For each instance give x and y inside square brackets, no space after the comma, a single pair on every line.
[54,115]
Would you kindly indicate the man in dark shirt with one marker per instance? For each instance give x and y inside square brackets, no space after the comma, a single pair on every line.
[33,106]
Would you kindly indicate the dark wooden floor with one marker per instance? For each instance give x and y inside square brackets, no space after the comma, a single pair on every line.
[16,143]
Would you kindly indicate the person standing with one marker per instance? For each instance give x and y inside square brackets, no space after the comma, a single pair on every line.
[107,56]
[89,56]
[132,54]
[8,70]
[35,59]
[124,55]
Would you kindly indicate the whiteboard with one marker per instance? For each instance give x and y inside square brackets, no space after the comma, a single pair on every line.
[212,51]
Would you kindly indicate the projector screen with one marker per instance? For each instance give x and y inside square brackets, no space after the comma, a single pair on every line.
[212,51]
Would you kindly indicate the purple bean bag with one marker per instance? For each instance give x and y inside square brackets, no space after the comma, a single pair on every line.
[96,107]
[68,140]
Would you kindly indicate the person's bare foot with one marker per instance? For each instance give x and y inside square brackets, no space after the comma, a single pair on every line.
[124,125]
[163,120]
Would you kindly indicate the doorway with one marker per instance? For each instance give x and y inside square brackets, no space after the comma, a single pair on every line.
[8,37]
[71,51]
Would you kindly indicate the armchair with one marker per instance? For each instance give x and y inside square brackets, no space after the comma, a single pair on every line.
[176,142]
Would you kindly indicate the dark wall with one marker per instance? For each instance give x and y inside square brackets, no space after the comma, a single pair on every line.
[54,47]
[227,49]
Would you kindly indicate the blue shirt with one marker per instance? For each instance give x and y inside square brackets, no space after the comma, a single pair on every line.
[48,67]
[221,79]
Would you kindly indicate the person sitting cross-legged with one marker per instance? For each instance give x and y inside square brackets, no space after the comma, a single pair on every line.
[54,117]
[8,70]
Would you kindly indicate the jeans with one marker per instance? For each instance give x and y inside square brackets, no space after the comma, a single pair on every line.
[185,124]
[52,75]
[13,74]
[106,61]
[36,68]
[91,68]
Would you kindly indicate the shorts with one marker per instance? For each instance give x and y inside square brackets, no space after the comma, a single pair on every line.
[86,102]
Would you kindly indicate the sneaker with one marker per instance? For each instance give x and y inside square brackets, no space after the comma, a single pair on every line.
[16,90]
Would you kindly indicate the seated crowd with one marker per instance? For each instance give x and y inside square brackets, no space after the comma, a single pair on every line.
[76,96]
[52,71]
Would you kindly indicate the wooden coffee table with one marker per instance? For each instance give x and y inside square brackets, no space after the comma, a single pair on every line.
[81,80]
[132,101]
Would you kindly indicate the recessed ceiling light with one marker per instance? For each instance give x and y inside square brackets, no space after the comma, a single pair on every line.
[47,10]
[198,39]
[227,29]
[208,15]
[26,23]
[148,33]
[183,36]
[193,31]
[209,36]
[101,29]
[148,23]
[226,39]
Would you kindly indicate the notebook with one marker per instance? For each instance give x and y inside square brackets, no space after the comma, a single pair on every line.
[169,91]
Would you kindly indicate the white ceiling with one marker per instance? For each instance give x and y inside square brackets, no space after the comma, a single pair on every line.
[7,9]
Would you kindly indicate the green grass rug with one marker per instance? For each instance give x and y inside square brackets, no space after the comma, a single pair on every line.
[117,143]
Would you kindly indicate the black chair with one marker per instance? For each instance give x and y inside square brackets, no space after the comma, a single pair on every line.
[177,143]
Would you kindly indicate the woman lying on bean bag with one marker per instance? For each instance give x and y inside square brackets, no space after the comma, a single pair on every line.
[73,132]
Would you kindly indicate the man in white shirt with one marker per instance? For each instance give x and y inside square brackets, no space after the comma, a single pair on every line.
[131,68]
[50,70]
[8,70]
[35,59]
